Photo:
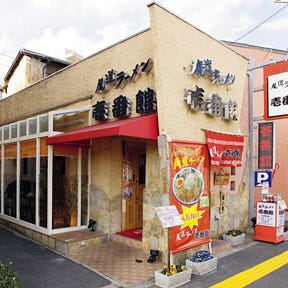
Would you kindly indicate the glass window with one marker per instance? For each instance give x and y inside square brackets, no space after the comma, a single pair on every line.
[22,128]
[6,133]
[14,131]
[43,123]
[65,186]
[43,183]
[84,188]
[32,126]
[0,133]
[10,184]
[27,180]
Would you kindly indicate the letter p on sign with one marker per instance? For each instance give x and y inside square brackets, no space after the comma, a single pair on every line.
[262,176]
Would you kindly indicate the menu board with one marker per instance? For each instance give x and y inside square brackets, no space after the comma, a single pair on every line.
[266,213]
[169,216]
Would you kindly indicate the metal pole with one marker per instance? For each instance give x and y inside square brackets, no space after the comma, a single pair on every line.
[251,136]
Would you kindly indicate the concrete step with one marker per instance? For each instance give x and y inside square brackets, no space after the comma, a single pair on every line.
[131,242]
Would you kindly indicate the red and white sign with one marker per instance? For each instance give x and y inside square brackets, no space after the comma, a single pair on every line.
[224,149]
[276,90]
[190,194]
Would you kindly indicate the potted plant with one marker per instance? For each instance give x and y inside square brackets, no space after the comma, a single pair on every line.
[8,277]
[202,262]
[176,276]
[234,236]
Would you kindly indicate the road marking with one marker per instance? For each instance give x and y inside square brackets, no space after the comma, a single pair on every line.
[254,273]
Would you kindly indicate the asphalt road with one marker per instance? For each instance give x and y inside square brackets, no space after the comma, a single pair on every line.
[39,267]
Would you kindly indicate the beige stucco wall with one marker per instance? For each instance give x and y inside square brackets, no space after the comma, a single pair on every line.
[178,44]
[172,44]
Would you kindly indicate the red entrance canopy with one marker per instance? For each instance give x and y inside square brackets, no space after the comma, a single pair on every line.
[144,127]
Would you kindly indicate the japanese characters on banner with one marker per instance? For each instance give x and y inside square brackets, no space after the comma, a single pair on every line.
[276,90]
[224,149]
[265,145]
[189,174]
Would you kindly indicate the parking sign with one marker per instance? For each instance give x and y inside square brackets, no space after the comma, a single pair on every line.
[262,176]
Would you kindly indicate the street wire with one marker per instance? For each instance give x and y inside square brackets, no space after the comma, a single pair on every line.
[264,21]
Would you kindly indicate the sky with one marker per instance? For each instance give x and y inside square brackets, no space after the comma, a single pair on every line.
[87,26]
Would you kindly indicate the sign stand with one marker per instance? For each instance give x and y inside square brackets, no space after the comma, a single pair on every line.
[169,217]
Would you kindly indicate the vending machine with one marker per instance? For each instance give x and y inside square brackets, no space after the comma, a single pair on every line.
[270,220]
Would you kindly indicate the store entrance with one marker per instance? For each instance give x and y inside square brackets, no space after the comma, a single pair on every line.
[134,161]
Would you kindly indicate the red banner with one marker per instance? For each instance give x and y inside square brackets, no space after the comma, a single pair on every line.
[224,149]
[189,174]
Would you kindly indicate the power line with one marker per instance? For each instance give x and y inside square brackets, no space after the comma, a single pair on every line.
[5,55]
[264,21]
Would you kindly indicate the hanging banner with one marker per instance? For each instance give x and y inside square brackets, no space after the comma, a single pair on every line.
[225,150]
[189,174]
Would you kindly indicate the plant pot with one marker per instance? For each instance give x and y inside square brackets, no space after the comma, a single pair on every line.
[172,281]
[235,240]
[200,268]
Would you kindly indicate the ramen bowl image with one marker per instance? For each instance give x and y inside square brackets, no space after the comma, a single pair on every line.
[188,185]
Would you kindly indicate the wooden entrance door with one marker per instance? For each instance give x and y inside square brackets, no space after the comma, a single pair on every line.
[134,163]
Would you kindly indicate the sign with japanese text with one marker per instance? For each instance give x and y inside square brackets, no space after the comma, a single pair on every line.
[276,90]
[265,145]
[169,216]
[225,149]
[189,174]
[266,214]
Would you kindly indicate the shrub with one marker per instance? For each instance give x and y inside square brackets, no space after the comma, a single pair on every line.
[8,276]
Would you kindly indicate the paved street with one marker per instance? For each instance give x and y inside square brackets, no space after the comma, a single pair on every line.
[38,267]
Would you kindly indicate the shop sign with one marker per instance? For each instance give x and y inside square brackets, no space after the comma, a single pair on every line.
[265,145]
[276,90]
[225,150]
[189,192]
[222,178]
[212,104]
[203,68]
[118,79]
[146,102]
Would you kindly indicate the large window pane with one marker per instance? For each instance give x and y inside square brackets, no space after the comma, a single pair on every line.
[10,184]
[43,191]
[84,188]
[43,183]
[27,181]
[65,186]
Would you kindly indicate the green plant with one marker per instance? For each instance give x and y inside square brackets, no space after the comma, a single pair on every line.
[174,269]
[234,232]
[8,276]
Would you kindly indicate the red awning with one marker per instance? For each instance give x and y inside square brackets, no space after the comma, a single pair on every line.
[144,127]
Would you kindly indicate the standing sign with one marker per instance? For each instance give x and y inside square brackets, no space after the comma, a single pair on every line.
[190,194]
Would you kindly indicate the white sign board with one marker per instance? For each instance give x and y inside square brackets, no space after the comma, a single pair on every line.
[169,216]
[277,94]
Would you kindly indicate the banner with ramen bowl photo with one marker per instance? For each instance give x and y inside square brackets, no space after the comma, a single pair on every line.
[189,192]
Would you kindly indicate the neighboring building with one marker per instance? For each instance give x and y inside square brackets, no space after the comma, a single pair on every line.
[118,170]
[262,58]
[27,68]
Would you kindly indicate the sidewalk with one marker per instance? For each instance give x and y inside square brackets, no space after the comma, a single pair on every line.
[39,267]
